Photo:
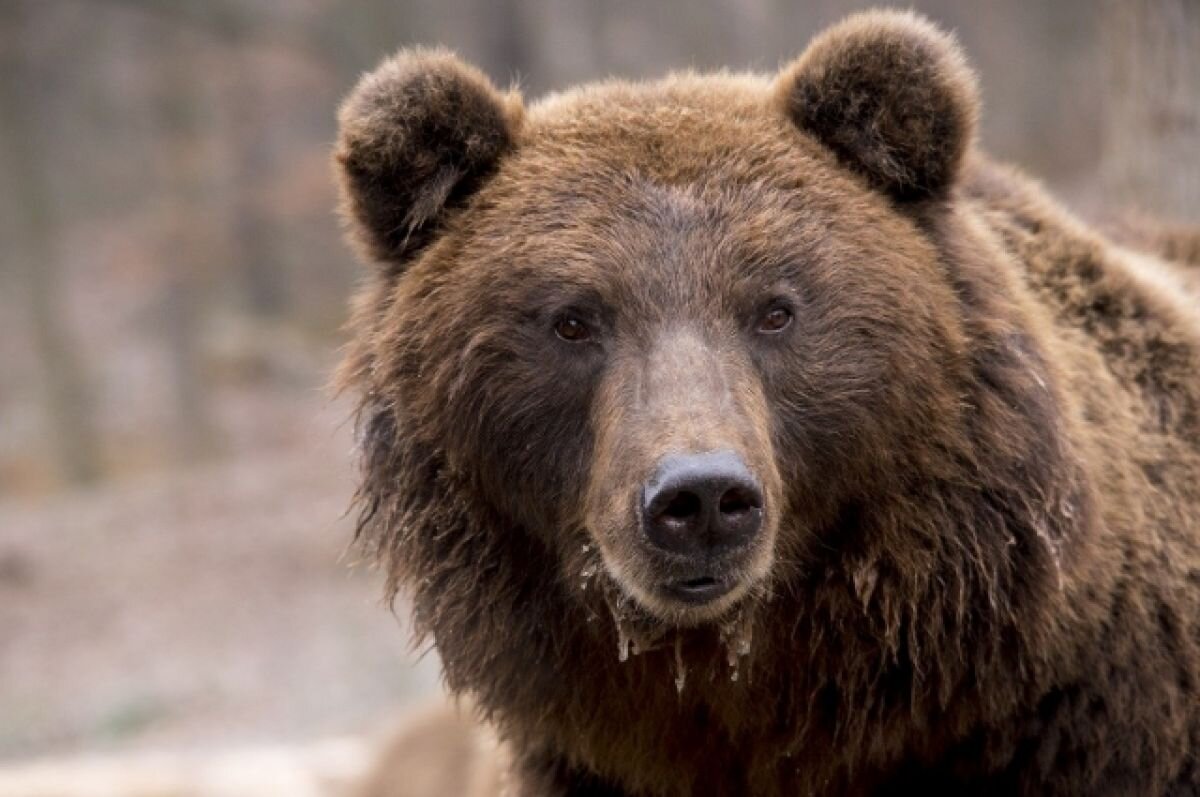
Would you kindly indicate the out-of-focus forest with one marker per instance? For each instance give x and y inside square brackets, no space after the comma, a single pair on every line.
[173,471]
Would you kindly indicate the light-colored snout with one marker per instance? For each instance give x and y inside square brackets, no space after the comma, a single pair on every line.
[683,499]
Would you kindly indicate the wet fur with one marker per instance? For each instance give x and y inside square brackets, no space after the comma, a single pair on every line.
[987,571]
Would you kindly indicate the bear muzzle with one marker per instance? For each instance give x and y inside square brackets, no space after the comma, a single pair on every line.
[701,509]
[684,494]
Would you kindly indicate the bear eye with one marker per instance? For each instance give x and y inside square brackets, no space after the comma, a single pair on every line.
[571,329]
[775,320]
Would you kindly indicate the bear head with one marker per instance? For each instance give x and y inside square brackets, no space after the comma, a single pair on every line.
[669,344]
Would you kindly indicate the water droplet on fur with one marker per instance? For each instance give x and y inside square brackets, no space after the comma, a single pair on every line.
[680,668]
[736,635]
[587,549]
[865,580]
[587,572]
[622,644]
[636,633]
[1052,548]
[616,605]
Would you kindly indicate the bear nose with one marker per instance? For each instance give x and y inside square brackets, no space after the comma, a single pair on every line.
[700,504]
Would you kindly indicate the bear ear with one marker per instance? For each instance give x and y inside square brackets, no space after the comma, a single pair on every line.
[416,138]
[891,95]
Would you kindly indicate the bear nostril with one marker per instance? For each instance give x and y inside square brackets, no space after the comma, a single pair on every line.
[683,506]
[737,501]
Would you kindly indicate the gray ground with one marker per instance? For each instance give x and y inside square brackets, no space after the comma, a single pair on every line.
[207,609]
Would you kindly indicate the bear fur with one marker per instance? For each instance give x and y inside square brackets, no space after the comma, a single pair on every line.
[977,433]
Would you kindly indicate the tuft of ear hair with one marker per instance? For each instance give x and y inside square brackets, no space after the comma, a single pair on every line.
[892,95]
[417,137]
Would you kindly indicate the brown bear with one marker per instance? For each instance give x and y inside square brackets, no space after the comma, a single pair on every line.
[735,435]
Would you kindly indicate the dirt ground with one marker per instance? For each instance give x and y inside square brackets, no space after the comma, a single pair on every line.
[211,615]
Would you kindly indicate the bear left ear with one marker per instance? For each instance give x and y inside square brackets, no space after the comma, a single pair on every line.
[891,95]
[417,137]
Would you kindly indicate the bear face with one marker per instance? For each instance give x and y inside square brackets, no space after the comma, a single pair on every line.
[677,325]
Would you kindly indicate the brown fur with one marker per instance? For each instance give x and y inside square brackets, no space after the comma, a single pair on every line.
[979,439]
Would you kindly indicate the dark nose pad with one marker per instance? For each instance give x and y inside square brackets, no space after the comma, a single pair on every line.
[700,504]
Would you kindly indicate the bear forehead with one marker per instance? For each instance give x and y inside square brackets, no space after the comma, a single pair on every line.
[686,150]
[676,130]
[610,168]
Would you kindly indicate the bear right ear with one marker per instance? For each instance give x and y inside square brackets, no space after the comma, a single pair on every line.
[891,95]
[416,138]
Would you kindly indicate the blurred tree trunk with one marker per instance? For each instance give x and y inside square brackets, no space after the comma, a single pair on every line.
[190,240]
[254,230]
[1151,158]
[67,400]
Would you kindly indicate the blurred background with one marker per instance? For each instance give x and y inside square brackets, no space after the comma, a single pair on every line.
[175,591]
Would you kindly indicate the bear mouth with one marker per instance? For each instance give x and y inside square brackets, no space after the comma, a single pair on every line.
[698,590]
